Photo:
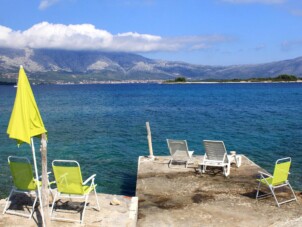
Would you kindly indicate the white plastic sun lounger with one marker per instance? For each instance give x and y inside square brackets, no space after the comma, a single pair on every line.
[216,155]
[179,152]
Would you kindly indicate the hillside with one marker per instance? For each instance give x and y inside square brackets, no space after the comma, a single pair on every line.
[53,66]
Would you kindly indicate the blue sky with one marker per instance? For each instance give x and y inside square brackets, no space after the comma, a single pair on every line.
[208,32]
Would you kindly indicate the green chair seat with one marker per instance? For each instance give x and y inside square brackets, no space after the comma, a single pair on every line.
[270,181]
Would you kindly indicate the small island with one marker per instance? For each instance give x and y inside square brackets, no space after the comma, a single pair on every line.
[280,78]
[7,83]
[177,80]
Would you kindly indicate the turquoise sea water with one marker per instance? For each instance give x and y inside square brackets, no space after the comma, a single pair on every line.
[103,126]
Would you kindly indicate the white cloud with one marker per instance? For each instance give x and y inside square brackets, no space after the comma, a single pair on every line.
[289,45]
[84,36]
[87,37]
[256,1]
[10,38]
[47,3]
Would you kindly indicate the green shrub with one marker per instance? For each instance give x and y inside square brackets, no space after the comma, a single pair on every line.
[285,77]
[180,79]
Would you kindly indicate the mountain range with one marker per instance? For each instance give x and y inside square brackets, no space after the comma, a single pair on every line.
[63,66]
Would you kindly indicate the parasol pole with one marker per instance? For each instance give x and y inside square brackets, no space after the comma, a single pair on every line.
[44,191]
[37,179]
[149,137]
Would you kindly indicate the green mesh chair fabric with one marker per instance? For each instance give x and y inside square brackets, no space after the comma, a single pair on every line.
[69,179]
[267,181]
[281,173]
[22,175]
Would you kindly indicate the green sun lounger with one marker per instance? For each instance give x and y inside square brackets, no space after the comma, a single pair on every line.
[70,185]
[278,180]
[23,181]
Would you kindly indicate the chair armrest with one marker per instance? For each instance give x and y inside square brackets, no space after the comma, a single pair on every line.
[232,153]
[89,179]
[266,174]
[52,182]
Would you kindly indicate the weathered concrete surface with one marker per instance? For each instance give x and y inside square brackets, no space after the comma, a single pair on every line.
[124,214]
[183,197]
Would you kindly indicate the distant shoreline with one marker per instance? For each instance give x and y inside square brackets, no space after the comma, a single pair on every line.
[153,82]
[233,82]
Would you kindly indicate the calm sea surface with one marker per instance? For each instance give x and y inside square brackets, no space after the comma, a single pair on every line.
[103,126]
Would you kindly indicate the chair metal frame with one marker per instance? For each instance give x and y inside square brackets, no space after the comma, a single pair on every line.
[285,182]
[84,196]
[186,154]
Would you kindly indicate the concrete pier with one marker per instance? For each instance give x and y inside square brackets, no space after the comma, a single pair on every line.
[124,214]
[178,196]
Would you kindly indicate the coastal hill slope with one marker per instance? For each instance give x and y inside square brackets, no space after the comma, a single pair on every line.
[55,66]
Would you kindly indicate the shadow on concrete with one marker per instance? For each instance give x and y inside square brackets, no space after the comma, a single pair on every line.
[22,203]
[251,194]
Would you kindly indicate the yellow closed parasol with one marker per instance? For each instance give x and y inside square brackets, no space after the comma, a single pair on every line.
[24,124]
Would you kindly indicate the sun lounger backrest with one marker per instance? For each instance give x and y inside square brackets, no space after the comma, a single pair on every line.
[178,148]
[215,150]
[68,177]
[22,174]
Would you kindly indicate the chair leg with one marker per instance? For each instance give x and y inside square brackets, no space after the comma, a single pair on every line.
[204,168]
[53,204]
[97,201]
[258,189]
[289,200]
[83,213]
[226,169]
[272,189]
[170,162]
[238,161]
[292,190]
[273,192]
[7,201]
[34,204]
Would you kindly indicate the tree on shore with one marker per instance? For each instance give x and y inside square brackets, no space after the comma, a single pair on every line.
[180,80]
[177,80]
[285,77]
